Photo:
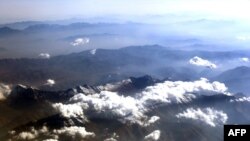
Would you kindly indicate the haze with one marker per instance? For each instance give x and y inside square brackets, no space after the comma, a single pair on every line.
[19,10]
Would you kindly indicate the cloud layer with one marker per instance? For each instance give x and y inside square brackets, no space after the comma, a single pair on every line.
[132,109]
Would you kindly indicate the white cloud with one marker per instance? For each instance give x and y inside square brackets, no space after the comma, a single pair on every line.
[207,115]
[112,138]
[154,136]
[74,133]
[244,59]
[30,135]
[108,104]
[4,91]
[181,91]
[71,133]
[242,99]
[80,41]
[93,51]
[153,119]
[50,82]
[26,136]
[112,105]
[197,61]
[71,110]
[44,55]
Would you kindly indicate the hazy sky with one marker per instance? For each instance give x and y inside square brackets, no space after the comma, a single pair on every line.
[16,10]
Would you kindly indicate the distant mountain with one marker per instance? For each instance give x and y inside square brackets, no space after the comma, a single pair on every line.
[72,26]
[87,68]
[106,66]
[7,31]
[21,25]
[237,79]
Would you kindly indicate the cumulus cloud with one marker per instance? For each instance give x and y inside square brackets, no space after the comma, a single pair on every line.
[109,104]
[207,115]
[80,41]
[50,82]
[154,136]
[44,55]
[71,110]
[93,51]
[4,91]
[244,59]
[73,133]
[197,61]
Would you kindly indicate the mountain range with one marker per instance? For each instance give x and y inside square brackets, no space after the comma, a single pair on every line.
[94,112]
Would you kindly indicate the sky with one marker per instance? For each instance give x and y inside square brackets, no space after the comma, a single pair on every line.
[20,10]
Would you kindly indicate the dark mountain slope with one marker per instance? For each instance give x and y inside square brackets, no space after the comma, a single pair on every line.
[237,79]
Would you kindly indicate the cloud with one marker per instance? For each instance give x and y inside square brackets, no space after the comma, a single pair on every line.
[93,51]
[4,91]
[65,133]
[242,99]
[73,133]
[26,136]
[111,105]
[32,134]
[112,138]
[80,41]
[50,140]
[180,91]
[50,82]
[71,110]
[44,55]
[154,136]
[107,104]
[153,119]
[207,115]
[197,61]
[244,59]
